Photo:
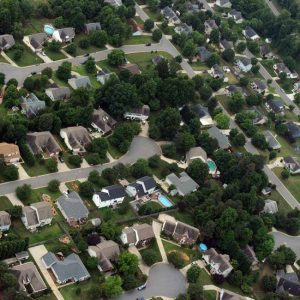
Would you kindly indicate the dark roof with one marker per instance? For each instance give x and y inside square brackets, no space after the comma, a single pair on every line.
[222,139]
[103,120]
[185,229]
[203,53]
[148,181]
[276,105]
[245,61]
[92,26]
[235,89]
[288,282]
[200,111]
[237,14]
[132,68]
[293,129]
[226,44]
[144,110]
[139,189]
[265,49]
[113,192]
[249,32]
[260,85]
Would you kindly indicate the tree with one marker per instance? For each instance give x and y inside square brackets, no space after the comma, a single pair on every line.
[64,71]
[74,160]
[71,49]
[98,38]
[198,170]
[84,43]
[236,103]
[47,72]
[2,78]
[282,257]
[18,54]
[90,65]
[127,263]
[10,172]
[222,120]
[259,141]
[140,168]
[228,55]
[193,274]
[156,35]
[255,69]
[285,174]
[53,186]
[24,192]
[239,140]
[195,290]
[269,283]
[241,47]
[150,257]
[51,165]
[110,230]
[213,60]
[215,36]
[176,259]
[92,263]
[116,57]
[148,25]
[99,146]
[86,189]
[189,49]
[112,287]
[205,92]
[184,141]
[54,46]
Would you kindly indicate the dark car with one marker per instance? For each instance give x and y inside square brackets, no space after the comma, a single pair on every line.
[86,54]
[61,159]
[148,44]
[33,73]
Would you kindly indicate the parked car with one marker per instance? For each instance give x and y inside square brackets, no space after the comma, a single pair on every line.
[86,54]
[61,159]
[141,287]
[148,44]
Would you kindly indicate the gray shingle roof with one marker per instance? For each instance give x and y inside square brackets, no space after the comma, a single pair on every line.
[6,41]
[89,27]
[249,32]
[4,218]
[103,120]
[184,183]
[222,139]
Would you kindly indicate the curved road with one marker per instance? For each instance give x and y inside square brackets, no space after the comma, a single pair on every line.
[141,147]
[293,242]
[164,280]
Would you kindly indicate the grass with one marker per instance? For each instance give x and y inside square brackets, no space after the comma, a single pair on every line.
[268,64]
[138,20]
[5,203]
[282,204]
[3,60]
[47,297]
[36,170]
[113,215]
[66,156]
[155,16]
[231,78]
[204,278]
[35,25]
[81,70]
[139,39]
[114,152]
[37,194]
[184,217]
[286,85]
[54,55]
[210,295]
[90,49]
[58,81]
[199,66]
[154,247]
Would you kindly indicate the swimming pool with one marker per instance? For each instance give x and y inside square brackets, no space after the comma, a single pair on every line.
[49,29]
[164,201]
[211,166]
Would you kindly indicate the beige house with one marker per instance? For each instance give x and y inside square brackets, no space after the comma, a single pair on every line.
[9,153]
[138,235]
[196,153]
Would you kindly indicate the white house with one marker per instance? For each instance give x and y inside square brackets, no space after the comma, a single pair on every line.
[109,196]
[249,33]
[64,35]
[5,221]
[142,187]
[224,3]
[244,64]
[138,114]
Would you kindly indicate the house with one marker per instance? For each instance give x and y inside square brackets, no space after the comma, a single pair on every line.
[36,215]
[6,41]
[5,221]
[91,27]
[43,143]
[183,28]
[192,8]
[72,207]
[196,153]
[266,51]
[291,164]
[216,71]
[266,191]
[224,3]
[288,282]
[282,68]
[76,138]
[104,75]
[203,114]
[132,68]
[109,196]
[203,54]
[102,121]
[296,87]
[106,252]
[9,153]
[250,34]
[66,269]
[36,41]
[222,139]
[157,59]
[58,93]
[32,105]
[210,25]
[259,118]
[219,263]
[21,256]
[293,130]
[183,185]
[64,35]
[170,15]
[236,15]
[244,64]
[249,252]
[233,89]
[28,278]
[138,114]
[79,82]
[224,44]
[259,86]
[138,235]
[270,207]
[182,233]
[142,187]
[271,140]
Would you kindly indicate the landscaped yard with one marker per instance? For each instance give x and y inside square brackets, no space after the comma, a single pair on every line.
[109,214]
[153,246]
[184,217]
[54,55]
[36,170]
[139,39]
[47,297]
[81,51]
[3,60]
[210,295]
[5,203]
[155,16]
[113,151]
[286,85]
[37,194]
[81,70]
[204,278]
[268,64]
[199,66]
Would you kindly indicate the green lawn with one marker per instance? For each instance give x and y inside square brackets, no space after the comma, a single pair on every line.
[114,152]
[154,247]
[54,55]
[47,297]
[155,16]
[81,70]
[35,25]
[103,64]
[268,64]
[5,203]
[286,85]
[58,81]
[283,206]
[199,66]
[210,295]
[90,49]
[138,20]
[140,39]
[204,278]
[3,60]
[184,217]
[36,170]
[37,194]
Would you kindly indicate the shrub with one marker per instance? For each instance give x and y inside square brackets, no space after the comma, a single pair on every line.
[176,259]
[75,160]
[150,257]
[193,274]
[53,186]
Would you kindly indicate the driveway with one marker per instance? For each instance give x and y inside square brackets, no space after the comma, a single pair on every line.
[293,242]
[164,280]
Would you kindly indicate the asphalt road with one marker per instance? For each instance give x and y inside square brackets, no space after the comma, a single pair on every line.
[293,242]
[164,280]
[272,7]
[141,147]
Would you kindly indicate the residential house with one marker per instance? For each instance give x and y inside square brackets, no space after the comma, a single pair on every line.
[36,215]
[183,28]
[6,41]
[109,196]
[293,130]
[102,121]
[244,64]
[91,27]
[43,143]
[249,252]
[138,235]
[224,3]
[210,25]
[273,144]
[233,89]
[203,54]
[5,221]
[270,207]
[226,296]
[21,256]
[222,139]
[250,34]
[236,15]
[288,282]
[132,68]
[282,68]
[142,187]
[192,8]
[224,45]
[106,252]
[196,153]
[72,207]
[76,138]
[219,263]
[104,75]
[183,185]
[9,153]
[138,114]
[79,82]
[275,105]
[58,93]
[296,87]
[36,41]
[259,118]
[203,114]
[28,278]
[217,72]
[259,86]
[67,269]
[291,164]
[157,59]
[32,105]
[64,35]
[266,51]
[170,15]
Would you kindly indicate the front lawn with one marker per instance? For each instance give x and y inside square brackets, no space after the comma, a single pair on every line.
[210,295]
[155,16]
[54,55]
[81,70]
[5,203]
[204,278]
[90,49]
[103,64]
[139,39]
[58,81]
[268,64]
[37,194]
[154,247]
[199,66]
[113,151]
[286,84]
[36,170]
[114,215]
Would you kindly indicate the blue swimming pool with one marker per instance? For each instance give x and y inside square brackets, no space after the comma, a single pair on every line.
[164,201]
[211,166]
[49,29]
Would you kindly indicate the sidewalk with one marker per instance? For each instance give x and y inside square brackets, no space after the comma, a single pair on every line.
[144,268]
[14,200]
[22,172]
[8,59]
[157,229]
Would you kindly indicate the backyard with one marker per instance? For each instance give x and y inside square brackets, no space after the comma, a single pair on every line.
[5,203]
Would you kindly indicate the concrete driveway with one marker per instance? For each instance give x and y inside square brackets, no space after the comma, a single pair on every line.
[164,280]
[293,242]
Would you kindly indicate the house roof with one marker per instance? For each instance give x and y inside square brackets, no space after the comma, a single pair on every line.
[105,264]
[144,110]
[293,129]
[265,49]
[73,206]
[103,120]
[139,189]
[4,218]
[132,68]
[169,227]
[294,165]
[27,273]
[79,82]
[222,139]
[59,93]
[288,282]
[144,231]
[200,111]
[270,207]
[282,68]
[92,26]
[32,104]
[196,152]
[130,234]
[43,209]
[271,140]
[112,192]
[249,32]
[148,182]
[211,23]
[66,33]
[217,70]
[30,215]
[249,252]
[236,14]
[8,149]
[38,39]
[260,85]
[184,183]
[276,105]
[6,41]
[157,59]
[245,61]
[169,13]
[235,89]
[224,2]
[203,53]
[78,136]
[186,229]
[106,249]
[222,259]
[226,44]
[22,255]
[184,28]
